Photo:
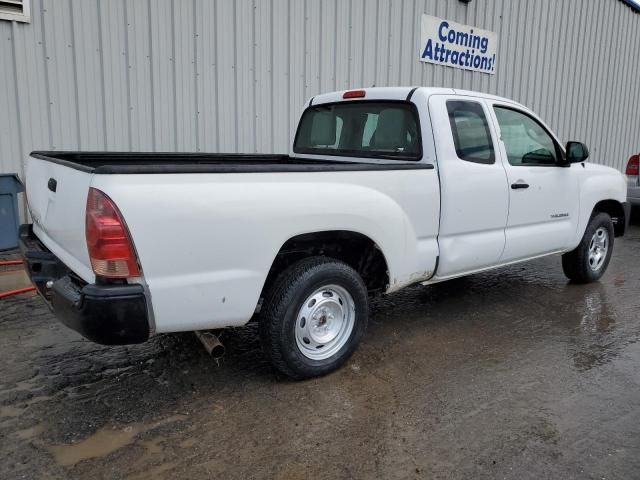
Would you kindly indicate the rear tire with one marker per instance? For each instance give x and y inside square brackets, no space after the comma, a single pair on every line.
[588,262]
[314,317]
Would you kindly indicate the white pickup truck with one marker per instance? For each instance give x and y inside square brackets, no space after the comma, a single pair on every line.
[385,187]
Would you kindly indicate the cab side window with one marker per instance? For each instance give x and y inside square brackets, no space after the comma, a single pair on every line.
[527,143]
[471,134]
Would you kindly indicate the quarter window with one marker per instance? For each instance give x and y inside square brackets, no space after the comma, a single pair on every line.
[470,129]
[525,140]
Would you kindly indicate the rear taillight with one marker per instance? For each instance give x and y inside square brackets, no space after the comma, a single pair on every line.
[632,165]
[110,247]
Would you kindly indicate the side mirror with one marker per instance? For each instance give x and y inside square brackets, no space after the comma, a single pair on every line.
[577,152]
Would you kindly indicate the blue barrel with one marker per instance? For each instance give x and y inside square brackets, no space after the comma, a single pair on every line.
[10,186]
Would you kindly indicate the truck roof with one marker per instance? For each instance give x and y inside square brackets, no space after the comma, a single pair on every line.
[402,93]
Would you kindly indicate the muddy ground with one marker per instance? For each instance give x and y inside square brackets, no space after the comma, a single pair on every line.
[510,374]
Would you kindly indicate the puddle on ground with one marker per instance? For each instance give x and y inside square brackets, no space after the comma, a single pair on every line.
[10,411]
[188,443]
[105,441]
[29,433]
[153,446]
[153,472]
[101,443]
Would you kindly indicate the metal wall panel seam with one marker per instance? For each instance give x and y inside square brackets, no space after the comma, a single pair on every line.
[75,72]
[46,76]
[613,94]
[174,93]
[592,83]
[17,96]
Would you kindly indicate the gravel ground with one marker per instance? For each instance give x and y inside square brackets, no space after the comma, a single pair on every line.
[509,374]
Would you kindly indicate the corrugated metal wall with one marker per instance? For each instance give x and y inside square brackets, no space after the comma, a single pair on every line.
[203,75]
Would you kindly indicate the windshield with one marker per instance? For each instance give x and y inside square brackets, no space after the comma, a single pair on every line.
[360,129]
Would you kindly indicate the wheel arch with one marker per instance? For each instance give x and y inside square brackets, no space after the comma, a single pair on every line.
[355,249]
[616,211]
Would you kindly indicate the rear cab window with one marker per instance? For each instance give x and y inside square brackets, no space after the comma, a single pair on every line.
[367,129]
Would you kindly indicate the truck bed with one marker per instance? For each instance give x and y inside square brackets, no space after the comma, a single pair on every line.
[167,162]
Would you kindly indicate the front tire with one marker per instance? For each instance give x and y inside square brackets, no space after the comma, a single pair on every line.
[314,317]
[588,262]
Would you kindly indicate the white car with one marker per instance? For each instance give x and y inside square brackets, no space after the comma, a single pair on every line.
[384,188]
[633,180]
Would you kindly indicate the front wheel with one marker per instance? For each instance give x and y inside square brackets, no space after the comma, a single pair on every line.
[588,262]
[314,317]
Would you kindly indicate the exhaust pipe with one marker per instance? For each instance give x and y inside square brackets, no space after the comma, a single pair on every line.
[211,342]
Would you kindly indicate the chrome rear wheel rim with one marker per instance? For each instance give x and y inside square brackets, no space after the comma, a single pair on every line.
[324,322]
[598,248]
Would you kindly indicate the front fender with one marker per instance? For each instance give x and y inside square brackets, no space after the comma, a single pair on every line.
[597,183]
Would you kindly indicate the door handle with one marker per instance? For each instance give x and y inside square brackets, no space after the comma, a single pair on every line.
[517,186]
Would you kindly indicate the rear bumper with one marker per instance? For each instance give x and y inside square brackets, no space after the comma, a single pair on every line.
[633,195]
[106,314]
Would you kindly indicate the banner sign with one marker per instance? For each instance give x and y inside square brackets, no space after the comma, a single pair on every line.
[456,45]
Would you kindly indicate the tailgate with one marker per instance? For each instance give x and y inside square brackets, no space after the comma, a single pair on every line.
[57,197]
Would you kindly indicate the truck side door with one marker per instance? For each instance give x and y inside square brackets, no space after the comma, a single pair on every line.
[474,193]
[543,195]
